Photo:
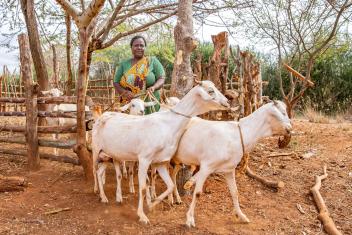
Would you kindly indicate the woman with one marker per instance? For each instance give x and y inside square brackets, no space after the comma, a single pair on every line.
[139,74]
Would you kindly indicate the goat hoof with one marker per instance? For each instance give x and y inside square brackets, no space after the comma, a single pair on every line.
[119,201]
[178,202]
[144,220]
[242,219]
[188,185]
[104,200]
[190,222]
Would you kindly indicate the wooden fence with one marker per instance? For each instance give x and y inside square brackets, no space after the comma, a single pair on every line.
[11,86]
[31,128]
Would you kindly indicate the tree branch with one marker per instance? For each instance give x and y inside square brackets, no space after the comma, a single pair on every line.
[69,8]
[92,11]
[138,29]
[107,27]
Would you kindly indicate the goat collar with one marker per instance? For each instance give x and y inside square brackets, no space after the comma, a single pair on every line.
[175,112]
[243,149]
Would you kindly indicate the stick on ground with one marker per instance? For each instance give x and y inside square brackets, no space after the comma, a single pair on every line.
[324,215]
[269,183]
[281,154]
[57,211]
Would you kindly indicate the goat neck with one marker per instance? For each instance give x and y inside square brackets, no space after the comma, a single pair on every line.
[255,127]
[192,105]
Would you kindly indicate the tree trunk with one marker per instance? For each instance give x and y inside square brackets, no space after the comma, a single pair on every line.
[68,55]
[182,75]
[34,43]
[81,150]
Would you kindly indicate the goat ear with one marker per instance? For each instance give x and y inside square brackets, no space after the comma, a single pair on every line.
[266,100]
[125,107]
[276,103]
[198,82]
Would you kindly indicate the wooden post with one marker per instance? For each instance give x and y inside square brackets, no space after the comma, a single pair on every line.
[1,105]
[240,81]
[260,84]
[55,78]
[31,104]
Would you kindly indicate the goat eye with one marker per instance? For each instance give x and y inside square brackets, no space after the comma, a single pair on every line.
[132,105]
[211,91]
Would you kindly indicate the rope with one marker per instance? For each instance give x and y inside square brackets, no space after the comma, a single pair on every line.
[152,97]
[175,112]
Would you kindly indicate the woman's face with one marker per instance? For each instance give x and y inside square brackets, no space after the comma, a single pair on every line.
[138,47]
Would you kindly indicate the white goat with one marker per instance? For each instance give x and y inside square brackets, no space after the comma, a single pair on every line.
[136,107]
[120,136]
[216,147]
[54,92]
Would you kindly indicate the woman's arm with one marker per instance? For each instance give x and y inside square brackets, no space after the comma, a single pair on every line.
[120,90]
[157,85]
[159,73]
[123,92]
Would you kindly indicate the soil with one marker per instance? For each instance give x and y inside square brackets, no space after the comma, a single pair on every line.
[59,185]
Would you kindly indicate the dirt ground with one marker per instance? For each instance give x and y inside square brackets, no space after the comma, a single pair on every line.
[58,185]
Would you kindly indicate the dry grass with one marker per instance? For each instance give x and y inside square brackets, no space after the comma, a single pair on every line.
[315,116]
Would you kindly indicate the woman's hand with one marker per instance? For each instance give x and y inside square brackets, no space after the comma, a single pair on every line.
[151,89]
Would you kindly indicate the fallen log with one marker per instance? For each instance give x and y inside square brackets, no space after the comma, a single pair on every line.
[269,183]
[52,157]
[12,183]
[324,215]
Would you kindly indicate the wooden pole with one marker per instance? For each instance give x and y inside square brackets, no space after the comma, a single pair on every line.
[42,142]
[42,129]
[240,81]
[47,156]
[55,78]
[1,105]
[31,104]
